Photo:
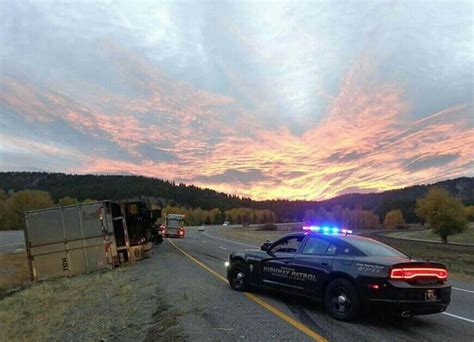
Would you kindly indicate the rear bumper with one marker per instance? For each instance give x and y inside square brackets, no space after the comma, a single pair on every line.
[408,300]
[407,308]
[173,235]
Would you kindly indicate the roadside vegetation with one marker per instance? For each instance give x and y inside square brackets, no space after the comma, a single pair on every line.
[466,237]
[394,219]
[13,272]
[119,304]
[445,214]
[344,217]
[198,216]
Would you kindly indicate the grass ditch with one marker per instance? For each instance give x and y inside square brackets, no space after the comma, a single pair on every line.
[467,237]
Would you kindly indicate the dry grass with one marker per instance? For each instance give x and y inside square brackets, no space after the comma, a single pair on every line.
[467,237]
[13,270]
[90,307]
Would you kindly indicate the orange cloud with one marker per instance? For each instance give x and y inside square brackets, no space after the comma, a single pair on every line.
[366,140]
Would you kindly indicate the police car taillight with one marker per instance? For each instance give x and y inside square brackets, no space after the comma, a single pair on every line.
[410,273]
[327,230]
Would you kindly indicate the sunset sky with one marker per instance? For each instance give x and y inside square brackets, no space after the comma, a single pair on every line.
[267,100]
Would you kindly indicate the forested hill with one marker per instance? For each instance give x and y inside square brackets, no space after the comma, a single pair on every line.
[123,187]
[116,187]
[380,203]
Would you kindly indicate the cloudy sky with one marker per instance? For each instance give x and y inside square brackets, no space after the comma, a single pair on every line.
[263,99]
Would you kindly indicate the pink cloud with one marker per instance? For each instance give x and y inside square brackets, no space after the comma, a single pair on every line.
[366,140]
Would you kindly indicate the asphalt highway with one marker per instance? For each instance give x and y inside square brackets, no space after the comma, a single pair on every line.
[270,316]
[11,240]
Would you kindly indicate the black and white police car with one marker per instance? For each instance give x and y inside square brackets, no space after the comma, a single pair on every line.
[350,274]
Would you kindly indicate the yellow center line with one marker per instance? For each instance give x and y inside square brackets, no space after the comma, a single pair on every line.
[298,325]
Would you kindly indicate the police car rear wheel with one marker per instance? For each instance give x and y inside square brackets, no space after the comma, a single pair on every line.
[237,276]
[341,300]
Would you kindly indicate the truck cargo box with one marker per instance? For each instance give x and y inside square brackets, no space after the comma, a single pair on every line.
[68,240]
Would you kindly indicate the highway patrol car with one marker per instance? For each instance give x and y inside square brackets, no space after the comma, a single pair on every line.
[349,274]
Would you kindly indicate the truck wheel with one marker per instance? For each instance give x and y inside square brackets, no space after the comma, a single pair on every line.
[341,300]
[237,276]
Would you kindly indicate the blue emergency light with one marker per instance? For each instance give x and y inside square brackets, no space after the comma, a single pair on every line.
[327,230]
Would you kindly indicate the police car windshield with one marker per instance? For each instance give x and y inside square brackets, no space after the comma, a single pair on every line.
[373,248]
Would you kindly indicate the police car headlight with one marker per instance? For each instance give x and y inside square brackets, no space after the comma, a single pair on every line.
[226,264]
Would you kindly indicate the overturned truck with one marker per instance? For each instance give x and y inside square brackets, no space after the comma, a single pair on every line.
[83,238]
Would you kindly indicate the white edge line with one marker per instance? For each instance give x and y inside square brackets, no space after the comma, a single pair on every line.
[464,290]
[459,317]
[239,243]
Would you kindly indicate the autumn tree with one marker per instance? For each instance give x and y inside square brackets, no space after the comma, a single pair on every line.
[67,201]
[443,212]
[393,219]
[469,211]
[26,200]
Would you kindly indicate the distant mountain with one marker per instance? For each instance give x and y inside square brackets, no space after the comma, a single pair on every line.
[379,203]
[117,187]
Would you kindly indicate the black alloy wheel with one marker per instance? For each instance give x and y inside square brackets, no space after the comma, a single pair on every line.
[341,300]
[237,276]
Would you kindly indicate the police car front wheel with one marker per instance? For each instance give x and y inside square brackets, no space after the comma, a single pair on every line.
[341,300]
[237,276]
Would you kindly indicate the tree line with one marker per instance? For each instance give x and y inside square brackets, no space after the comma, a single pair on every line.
[116,187]
[204,206]
[343,217]
[12,208]
[198,216]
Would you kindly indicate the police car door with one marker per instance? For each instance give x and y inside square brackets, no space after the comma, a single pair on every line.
[277,267]
[313,264]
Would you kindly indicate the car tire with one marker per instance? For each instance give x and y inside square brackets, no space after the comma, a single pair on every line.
[341,300]
[237,276]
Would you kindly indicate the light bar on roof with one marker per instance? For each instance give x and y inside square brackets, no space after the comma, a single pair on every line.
[327,230]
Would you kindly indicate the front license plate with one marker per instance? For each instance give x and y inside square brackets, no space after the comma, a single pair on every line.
[430,295]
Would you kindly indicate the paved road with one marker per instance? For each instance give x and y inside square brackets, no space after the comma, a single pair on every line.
[11,240]
[244,318]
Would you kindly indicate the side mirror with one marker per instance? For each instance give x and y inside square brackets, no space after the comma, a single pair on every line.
[266,246]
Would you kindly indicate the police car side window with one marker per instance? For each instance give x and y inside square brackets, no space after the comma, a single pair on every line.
[289,245]
[319,247]
[348,250]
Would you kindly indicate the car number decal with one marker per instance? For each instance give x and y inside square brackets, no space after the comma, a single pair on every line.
[369,268]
